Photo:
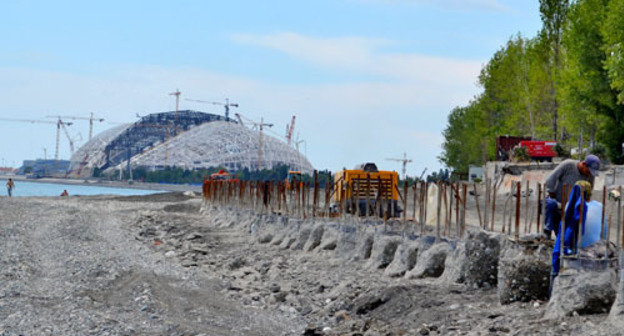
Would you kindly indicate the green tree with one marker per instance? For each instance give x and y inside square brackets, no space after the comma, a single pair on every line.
[553,14]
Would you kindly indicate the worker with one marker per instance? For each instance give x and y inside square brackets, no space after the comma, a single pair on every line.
[567,173]
[568,240]
[65,193]
[10,185]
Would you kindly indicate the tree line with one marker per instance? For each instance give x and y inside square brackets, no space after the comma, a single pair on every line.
[564,84]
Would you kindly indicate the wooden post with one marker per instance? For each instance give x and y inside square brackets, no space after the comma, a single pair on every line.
[602,218]
[518,195]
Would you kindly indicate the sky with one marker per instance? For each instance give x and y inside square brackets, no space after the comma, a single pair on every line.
[367,80]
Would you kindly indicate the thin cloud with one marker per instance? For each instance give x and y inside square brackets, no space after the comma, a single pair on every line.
[475,5]
[365,56]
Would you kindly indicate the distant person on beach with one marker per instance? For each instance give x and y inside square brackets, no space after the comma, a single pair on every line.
[10,185]
[65,193]
[567,173]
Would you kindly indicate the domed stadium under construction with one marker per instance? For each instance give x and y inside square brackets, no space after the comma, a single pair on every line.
[189,140]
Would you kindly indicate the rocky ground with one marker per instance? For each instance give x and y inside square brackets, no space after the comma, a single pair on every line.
[168,265]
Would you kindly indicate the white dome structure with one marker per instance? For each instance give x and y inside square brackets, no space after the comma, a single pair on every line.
[222,144]
[186,139]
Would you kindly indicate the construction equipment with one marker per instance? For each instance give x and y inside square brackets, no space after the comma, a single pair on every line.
[240,121]
[59,124]
[293,180]
[405,161]
[177,95]
[91,119]
[226,105]
[366,187]
[289,131]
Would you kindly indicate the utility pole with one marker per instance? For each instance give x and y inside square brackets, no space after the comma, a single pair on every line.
[405,161]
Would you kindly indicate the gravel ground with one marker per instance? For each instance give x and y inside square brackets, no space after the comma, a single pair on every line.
[72,267]
[169,266]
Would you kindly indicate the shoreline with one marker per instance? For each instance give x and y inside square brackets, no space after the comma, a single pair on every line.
[107,184]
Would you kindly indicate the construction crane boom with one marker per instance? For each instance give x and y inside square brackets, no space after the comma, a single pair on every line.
[59,123]
[91,119]
[226,105]
[405,161]
[289,130]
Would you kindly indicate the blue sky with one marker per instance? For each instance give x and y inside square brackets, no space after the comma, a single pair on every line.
[367,79]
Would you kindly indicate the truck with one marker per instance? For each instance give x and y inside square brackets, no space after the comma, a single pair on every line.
[366,186]
[540,150]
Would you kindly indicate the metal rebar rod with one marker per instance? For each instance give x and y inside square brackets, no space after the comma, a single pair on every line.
[619,218]
[476,195]
[405,191]
[579,233]
[527,193]
[493,207]
[518,199]
[538,207]
[438,212]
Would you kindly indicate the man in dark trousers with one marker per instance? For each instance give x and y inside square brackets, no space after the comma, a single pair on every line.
[567,173]
[10,185]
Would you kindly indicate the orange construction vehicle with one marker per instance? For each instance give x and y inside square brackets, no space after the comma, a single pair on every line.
[293,180]
[366,186]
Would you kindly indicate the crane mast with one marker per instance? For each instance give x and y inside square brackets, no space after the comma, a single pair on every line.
[404,161]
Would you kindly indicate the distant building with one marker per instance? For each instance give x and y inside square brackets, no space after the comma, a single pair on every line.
[44,167]
[190,140]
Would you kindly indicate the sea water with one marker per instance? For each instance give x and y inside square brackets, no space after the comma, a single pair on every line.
[25,188]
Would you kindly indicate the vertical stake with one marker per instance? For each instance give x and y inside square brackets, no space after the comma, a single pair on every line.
[526,207]
[538,207]
[405,191]
[493,206]
[315,197]
[476,195]
[518,195]
[463,215]
[438,211]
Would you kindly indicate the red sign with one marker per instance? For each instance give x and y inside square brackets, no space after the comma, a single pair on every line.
[540,148]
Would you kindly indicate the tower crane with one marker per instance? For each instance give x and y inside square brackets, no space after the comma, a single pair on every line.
[405,161]
[91,119]
[59,123]
[177,95]
[260,126]
[240,121]
[289,130]
[226,105]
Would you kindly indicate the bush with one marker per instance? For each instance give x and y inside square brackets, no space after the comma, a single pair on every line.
[521,154]
[561,152]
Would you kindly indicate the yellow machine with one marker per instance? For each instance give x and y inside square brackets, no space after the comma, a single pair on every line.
[293,180]
[366,185]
